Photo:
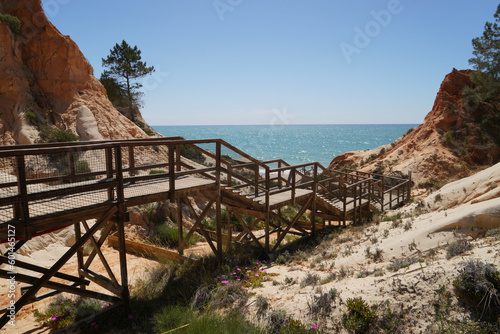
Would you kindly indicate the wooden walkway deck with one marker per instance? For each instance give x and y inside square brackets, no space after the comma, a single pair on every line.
[45,187]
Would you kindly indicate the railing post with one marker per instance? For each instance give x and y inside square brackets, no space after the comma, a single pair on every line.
[121,219]
[131,161]
[171,172]
[268,182]
[280,183]
[409,186]
[71,165]
[178,157]
[390,199]
[315,190]
[267,222]
[344,198]
[120,195]
[218,202]
[293,185]
[21,210]
[256,175]
[383,192]
[110,171]
[179,226]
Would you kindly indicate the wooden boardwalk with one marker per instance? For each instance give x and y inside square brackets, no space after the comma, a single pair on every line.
[45,187]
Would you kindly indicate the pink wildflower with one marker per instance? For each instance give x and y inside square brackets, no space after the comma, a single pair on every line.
[224,282]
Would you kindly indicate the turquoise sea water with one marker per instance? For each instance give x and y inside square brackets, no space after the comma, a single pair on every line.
[295,144]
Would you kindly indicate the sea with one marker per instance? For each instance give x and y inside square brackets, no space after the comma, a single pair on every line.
[296,144]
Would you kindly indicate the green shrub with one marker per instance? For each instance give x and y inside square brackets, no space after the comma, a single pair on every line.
[191,153]
[13,22]
[168,236]
[457,247]
[283,258]
[30,115]
[494,233]
[359,316]
[322,305]
[375,256]
[51,134]
[480,283]
[65,311]
[156,171]
[402,263]
[183,320]
[310,279]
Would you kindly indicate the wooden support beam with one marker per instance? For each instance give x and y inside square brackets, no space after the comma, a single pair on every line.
[52,285]
[297,217]
[179,224]
[101,280]
[197,223]
[40,282]
[248,230]
[105,263]
[42,270]
[93,253]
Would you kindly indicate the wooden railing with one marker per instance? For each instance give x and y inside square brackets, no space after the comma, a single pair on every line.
[87,167]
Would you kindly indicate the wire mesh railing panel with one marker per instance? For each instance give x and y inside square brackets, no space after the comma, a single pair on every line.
[64,204]
[8,178]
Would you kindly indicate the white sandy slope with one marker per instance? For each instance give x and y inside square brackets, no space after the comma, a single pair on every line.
[463,209]
[420,235]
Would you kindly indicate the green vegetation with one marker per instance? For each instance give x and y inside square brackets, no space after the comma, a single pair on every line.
[168,236]
[487,49]
[156,171]
[457,247]
[65,311]
[13,22]
[186,321]
[51,134]
[191,153]
[479,284]
[125,66]
[359,315]
[30,115]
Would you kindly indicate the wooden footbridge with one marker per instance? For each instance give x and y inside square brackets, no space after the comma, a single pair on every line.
[46,187]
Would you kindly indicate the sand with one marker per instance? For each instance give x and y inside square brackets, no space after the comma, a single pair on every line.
[460,210]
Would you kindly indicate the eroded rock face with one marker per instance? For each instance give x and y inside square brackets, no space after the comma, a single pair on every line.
[44,72]
[424,151]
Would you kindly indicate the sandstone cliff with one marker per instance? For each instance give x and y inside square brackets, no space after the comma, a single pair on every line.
[456,138]
[45,81]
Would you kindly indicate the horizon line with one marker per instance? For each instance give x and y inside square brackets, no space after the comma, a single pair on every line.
[289,124]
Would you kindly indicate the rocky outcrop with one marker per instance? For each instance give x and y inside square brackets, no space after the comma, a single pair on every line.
[45,79]
[448,145]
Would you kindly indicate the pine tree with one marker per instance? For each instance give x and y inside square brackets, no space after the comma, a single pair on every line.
[124,63]
[487,49]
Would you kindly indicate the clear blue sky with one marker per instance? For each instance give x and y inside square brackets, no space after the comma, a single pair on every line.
[282,61]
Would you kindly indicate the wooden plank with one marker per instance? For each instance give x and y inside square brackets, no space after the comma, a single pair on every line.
[145,250]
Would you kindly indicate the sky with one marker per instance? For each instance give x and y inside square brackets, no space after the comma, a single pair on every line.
[225,62]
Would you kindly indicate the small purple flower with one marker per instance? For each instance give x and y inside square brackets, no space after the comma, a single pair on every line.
[315,326]
[224,282]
